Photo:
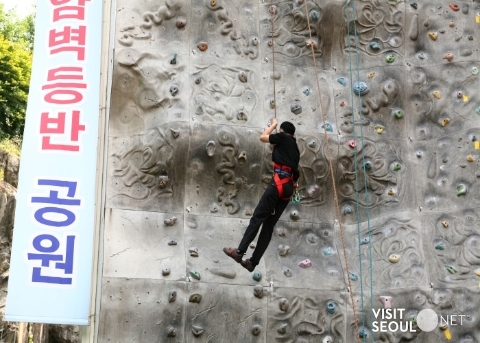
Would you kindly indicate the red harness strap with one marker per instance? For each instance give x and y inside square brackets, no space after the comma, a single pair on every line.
[280,182]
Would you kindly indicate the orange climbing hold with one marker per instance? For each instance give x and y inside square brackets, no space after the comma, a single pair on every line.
[454,7]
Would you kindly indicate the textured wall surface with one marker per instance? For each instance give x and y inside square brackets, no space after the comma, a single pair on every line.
[193,87]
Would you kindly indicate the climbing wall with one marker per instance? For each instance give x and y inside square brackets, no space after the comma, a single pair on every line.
[194,85]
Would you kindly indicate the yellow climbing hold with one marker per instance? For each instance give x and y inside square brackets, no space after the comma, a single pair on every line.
[437,94]
[394,258]
[371,74]
[448,335]
[477,145]
[477,19]
[432,35]
[465,98]
[391,191]
[379,129]
[470,158]
[213,2]
[445,224]
[445,121]
[477,272]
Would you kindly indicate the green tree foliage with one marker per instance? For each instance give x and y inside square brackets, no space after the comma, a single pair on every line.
[16,45]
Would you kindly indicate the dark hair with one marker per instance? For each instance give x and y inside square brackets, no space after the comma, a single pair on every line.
[288,127]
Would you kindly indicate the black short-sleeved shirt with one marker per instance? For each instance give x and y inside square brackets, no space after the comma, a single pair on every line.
[285,151]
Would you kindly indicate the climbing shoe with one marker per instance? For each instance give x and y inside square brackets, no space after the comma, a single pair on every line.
[248,265]
[233,253]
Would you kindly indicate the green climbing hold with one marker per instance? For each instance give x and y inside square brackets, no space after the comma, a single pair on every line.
[421,56]
[477,111]
[413,319]
[257,275]
[398,114]
[461,189]
[397,167]
[474,70]
[450,269]
[272,104]
[440,246]
[390,58]
[195,274]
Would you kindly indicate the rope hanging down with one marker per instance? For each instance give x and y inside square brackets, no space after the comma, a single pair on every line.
[273,105]
[337,207]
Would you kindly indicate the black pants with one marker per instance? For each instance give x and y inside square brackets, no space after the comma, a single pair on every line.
[267,212]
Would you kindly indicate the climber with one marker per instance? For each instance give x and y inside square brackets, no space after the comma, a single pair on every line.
[285,157]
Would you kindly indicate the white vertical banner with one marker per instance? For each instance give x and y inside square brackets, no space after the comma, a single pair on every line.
[53,237]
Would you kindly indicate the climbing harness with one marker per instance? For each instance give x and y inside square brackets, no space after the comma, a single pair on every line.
[337,207]
[280,170]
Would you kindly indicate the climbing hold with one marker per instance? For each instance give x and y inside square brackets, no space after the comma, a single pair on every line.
[165,271]
[360,88]
[273,10]
[197,330]
[474,70]
[294,215]
[198,80]
[450,269]
[328,127]
[440,246]
[242,76]
[213,3]
[394,258]
[437,94]
[195,274]
[414,5]
[347,210]
[296,108]
[362,333]
[282,329]
[443,326]
[272,104]
[258,291]
[257,275]
[210,148]
[352,144]
[452,24]
[241,115]
[287,272]
[195,298]
[371,74]
[448,56]
[202,46]
[172,242]
[306,91]
[470,158]
[461,189]
[374,46]
[367,165]
[379,129]
[454,7]
[193,252]
[365,240]
[305,263]
[254,41]
[283,249]
[477,111]
[386,300]
[171,332]
[327,251]
[353,276]
[433,35]
[342,103]
[256,330]
[397,167]
[172,296]
[390,58]
[421,56]
[342,81]
[391,191]
[174,59]
[283,304]
[181,23]
[459,94]
[170,222]
[173,90]
[314,16]
[445,224]
[477,272]
[331,307]
[327,339]
[175,133]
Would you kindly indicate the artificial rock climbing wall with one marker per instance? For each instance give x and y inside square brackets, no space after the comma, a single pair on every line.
[193,88]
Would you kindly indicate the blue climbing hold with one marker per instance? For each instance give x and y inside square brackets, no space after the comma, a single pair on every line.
[375,46]
[331,307]
[328,127]
[306,91]
[360,88]
[342,81]
[314,15]
[367,165]
[347,210]
[365,240]
[414,5]
[327,251]
[353,276]
[362,333]
[257,275]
